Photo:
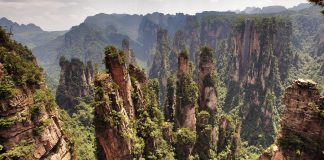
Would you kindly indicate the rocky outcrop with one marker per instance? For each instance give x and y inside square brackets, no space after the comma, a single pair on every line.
[75,82]
[29,122]
[301,135]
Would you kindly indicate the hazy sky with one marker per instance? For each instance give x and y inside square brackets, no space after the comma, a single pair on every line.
[63,14]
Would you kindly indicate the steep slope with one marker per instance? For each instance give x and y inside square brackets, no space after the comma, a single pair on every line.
[301,135]
[29,123]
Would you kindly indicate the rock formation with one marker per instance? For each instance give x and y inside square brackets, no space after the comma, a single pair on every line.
[259,67]
[192,34]
[117,65]
[301,135]
[123,130]
[170,102]
[130,57]
[206,125]
[160,66]
[75,82]
[29,122]
[178,45]
[187,95]
[185,109]
[111,120]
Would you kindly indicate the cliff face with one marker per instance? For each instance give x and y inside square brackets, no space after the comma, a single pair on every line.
[75,82]
[258,68]
[29,125]
[301,135]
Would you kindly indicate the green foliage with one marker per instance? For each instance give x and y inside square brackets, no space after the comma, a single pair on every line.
[80,131]
[23,71]
[43,100]
[187,91]
[247,152]
[210,80]
[21,151]
[7,122]
[40,127]
[6,87]
[206,52]
[114,55]
[319,3]
[185,136]
[184,54]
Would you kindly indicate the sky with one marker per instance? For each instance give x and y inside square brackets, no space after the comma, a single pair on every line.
[52,15]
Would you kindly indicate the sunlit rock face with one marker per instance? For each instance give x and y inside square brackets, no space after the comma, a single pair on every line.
[301,135]
[29,120]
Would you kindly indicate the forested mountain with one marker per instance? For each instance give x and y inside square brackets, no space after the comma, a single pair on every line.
[214,85]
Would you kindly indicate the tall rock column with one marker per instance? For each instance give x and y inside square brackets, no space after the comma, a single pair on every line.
[129,53]
[160,65]
[206,125]
[185,115]
[111,119]
[117,67]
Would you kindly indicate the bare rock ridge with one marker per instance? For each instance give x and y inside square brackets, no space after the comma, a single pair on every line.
[76,80]
[302,128]
[29,122]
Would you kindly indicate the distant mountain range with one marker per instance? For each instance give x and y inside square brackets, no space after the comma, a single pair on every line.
[30,34]
[274,9]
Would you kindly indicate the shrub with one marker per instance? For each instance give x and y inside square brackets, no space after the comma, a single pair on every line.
[41,127]
[6,87]
[185,136]
[21,151]
[7,122]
